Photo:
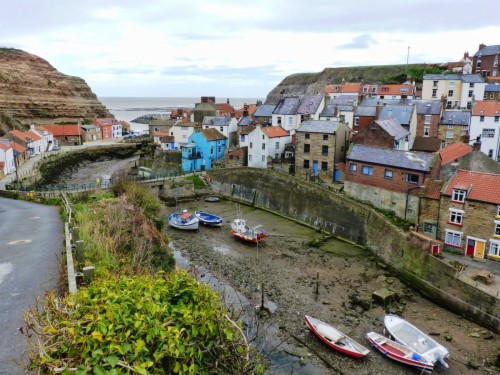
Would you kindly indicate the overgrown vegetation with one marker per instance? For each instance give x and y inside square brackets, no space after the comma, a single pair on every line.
[161,324]
[396,220]
[197,181]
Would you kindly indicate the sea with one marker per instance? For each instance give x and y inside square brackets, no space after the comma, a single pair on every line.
[130,108]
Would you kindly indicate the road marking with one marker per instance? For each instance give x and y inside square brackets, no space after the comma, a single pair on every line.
[34,217]
[17,242]
[5,269]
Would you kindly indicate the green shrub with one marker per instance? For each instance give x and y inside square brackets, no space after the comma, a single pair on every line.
[162,324]
[197,181]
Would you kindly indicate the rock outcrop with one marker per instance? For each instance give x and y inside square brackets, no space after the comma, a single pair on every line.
[32,90]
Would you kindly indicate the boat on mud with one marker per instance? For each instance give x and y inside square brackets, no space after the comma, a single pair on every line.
[399,352]
[212,199]
[335,339]
[210,220]
[183,220]
[407,334]
[240,229]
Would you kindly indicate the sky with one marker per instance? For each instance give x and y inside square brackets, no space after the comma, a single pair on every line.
[229,48]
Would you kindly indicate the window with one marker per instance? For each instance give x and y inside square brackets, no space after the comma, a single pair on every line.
[325,137]
[498,210]
[478,63]
[496,118]
[448,104]
[435,83]
[306,136]
[277,145]
[453,238]
[450,92]
[427,131]
[249,157]
[324,150]
[353,167]
[488,133]
[469,105]
[427,119]
[481,118]
[388,174]
[221,129]
[452,83]
[290,120]
[242,139]
[306,164]
[494,248]
[456,216]
[307,148]
[366,170]
[219,149]
[324,165]
[470,93]
[251,144]
[263,146]
[458,195]
[206,126]
[434,93]
[263,158]
[497,228]
[279,120]
[471,85]
[356,121]
[263,137]
[411,178]
[490,153]
[211,150]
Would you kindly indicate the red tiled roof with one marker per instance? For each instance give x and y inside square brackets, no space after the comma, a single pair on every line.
[161,134]
[251,109]
[275,131]
[454,151]
[18,147]
[486,108]
[354,88]
[395,89]
[63,130]
[225,109]
[332,89]
[104,121]
[4,146]
[33,136]
[481,186]
[432,189]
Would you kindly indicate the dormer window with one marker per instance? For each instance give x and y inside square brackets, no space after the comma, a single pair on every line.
[458,195]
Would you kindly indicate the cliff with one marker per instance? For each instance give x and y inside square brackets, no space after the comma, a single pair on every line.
[314,83]
[32,90]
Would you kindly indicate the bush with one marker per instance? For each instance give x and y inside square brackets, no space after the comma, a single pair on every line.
[162,324]
[197,181]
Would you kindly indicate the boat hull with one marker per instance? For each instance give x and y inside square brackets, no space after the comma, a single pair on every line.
[241,230]
[175,220]
[336,340]
[398,352]
[208,220]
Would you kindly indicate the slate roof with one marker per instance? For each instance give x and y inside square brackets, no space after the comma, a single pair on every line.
[319,126]
[216,120]
[469,78]
[212,134]
[365,111]
[410,160]
[426,144]
[492,87]
[402,113]
[454,151]
[245,121]
[455,118]
[264,110]
[275,131]
[472,78]
[486,108]
[480,186]
[329,111]
[89,127]
[427,107]
[488,50]
[309,104]
[344,100]
[247,129]
[287,106]
[373,101]
[393,128]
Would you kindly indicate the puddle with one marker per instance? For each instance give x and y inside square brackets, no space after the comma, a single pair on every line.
[222,249]
[18,242]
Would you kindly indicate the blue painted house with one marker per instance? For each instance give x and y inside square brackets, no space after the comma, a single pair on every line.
[203,147]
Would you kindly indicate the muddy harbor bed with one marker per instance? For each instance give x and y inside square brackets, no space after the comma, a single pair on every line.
[287,268]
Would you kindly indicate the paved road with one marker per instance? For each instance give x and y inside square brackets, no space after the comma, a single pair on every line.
[31,241]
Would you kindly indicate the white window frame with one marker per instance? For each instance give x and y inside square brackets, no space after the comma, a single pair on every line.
[452,240]
[458,195]
[494,248]
[488,133]
[427,119]
[249,157]
[388,174]
[368,169]
[450,134]
[277,145]
[497,228]
[498,211]
[353,167]
[408,179]
[456,216]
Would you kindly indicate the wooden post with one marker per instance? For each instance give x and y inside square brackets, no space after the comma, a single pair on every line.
[317,282]
[262,296]
[76,234]
[80,256]
[88,274]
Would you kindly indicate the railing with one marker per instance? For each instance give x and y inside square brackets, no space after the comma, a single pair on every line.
[69,246]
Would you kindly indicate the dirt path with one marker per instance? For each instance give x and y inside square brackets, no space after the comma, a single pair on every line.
[287,268]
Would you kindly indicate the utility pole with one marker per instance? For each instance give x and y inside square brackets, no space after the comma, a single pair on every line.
[15,163]
[407,59]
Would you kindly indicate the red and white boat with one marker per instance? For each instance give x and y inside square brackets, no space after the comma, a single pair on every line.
[240,229]
[335,339]
[399,352]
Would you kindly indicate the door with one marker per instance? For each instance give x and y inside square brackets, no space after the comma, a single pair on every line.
[315,168]
[435,249]
[471,244]
[479,252]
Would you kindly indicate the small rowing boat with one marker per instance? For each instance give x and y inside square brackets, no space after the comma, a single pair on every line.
[212,199]
[209,220]
[183,220]
[335,339]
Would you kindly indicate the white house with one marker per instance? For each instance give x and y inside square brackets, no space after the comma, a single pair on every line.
[181,132]
[7,157]
[485,126]
[224,124]
[285,114]
[267,142]
[47,137]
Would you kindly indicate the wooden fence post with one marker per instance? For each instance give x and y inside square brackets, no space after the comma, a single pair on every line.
[80,256]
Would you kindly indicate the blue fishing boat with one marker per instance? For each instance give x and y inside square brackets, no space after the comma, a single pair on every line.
[183,220]
[207,219]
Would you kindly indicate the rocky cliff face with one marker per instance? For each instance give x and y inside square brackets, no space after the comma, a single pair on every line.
[32,90]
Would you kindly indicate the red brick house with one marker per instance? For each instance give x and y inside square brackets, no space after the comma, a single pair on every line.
[469,214]
[386,133]
[486,61]
[66,135]
[387,178]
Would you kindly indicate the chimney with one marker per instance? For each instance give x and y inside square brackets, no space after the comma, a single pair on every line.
[466,55]
[481,46]
[477,144]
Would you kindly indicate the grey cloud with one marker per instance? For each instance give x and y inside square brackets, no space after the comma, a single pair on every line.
[360,42]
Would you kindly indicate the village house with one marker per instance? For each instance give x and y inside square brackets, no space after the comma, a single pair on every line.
[310,107]
[345,88]
[30,140]
[160,125]
[8,163]
[47,137]
[203,148]
[285,114]
[428,115]
[486,61]
[469,214]
[226,125]
[91,133]
[403,91]
[492,91]
[453,126]
[110,127]
[265,144]
[386,133]
[206,107]
[180,113]
[246,110]
[340,109]
[388,179]
[181,131]
[164,140]
[363,115]
[462,66]
[263,115]
[320,146]
[485,126]
[66,135]
[406,116]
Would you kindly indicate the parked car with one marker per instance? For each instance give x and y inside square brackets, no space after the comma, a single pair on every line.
[56,148]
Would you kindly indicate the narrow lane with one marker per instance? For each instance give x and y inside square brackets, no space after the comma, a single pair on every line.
[31,242]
